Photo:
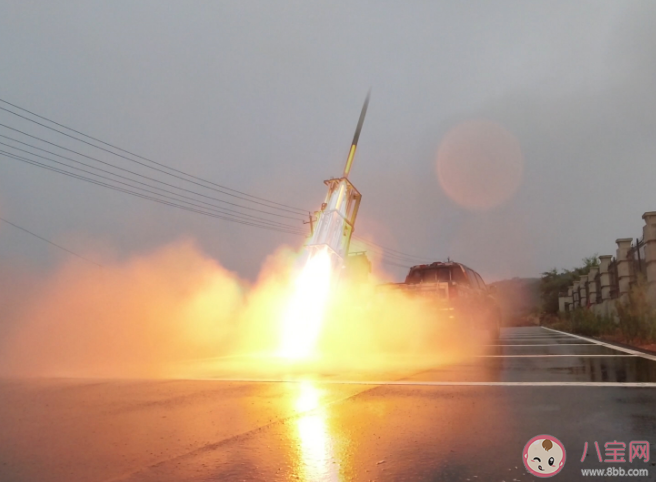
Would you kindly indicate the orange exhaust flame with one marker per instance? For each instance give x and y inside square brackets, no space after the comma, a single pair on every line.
[175,313]
[303,318]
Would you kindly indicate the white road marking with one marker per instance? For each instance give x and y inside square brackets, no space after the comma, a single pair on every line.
[551,344]
[546,356]
[518,335]
[534,333]
[607,345]
[441,384]
[560,337]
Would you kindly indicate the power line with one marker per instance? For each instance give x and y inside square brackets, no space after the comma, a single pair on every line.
[392,258]
[155,199]
[49,242]
[141,195]
[389,252]
[384,251]
[216,208]
[268,202]
[386,258]
[397,253]
[391,263]
[36,163]
[381,250]
[134,173]
[394,253]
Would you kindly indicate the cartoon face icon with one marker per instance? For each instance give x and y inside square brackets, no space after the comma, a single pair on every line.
[544,456]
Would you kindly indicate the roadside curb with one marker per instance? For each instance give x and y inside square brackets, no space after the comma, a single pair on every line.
[626,349]
[609,342]
[624,345]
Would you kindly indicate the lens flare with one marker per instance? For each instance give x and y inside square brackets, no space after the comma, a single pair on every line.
[480,164]
[301,324]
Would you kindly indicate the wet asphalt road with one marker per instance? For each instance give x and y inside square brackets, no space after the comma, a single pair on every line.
[463,422]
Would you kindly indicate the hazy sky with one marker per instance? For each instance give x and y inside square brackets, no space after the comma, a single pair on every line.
[264,97]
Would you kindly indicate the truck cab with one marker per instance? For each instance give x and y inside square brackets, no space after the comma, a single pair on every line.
[458,292]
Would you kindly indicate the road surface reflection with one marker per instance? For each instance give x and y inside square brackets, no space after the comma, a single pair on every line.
[317,461]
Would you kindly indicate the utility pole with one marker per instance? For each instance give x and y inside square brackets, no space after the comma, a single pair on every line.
[310,222]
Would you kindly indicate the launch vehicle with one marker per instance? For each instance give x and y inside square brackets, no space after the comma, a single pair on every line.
[335,220]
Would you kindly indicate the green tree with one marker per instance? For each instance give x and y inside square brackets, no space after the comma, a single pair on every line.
[553,283]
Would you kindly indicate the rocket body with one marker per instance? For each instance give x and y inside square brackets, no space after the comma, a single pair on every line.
[336,218]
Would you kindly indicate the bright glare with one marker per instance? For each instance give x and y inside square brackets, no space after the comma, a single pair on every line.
[308,397]
[317,458]
[302,320]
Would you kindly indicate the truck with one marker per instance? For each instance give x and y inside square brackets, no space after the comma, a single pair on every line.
[457,293]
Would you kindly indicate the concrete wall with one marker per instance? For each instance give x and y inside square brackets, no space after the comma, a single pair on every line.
[600,289]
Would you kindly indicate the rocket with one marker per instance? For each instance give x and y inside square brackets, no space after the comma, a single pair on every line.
[335,220]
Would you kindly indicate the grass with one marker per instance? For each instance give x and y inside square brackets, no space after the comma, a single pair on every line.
[636,315]
[634,323]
